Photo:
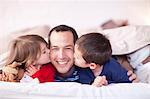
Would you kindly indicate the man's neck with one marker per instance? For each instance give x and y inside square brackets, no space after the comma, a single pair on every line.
[63,75]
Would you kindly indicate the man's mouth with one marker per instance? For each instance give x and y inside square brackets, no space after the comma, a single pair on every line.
[62,62]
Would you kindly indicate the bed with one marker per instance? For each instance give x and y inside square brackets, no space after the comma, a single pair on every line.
[124,40]
[60,90]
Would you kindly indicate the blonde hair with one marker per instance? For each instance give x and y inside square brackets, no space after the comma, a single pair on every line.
[25,49]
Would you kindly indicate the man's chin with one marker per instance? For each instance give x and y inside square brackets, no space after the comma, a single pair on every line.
[60,71]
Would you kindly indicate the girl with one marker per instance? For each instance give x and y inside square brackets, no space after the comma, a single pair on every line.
[32,52]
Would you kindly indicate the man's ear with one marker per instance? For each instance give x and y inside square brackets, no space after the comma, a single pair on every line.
[92,65]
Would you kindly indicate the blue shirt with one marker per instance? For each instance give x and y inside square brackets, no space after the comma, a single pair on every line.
[80,75]
[113,71]
[74,77]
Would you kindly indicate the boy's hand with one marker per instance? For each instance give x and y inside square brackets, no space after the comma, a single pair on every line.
[100,81]
[132,77]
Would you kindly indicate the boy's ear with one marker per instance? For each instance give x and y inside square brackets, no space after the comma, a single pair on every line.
[92,65]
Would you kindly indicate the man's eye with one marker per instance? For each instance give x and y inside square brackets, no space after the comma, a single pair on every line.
[68,48]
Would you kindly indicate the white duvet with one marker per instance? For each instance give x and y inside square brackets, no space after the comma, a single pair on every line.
[127,39]
[70,90]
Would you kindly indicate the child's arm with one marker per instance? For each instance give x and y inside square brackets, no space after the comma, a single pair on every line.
[116,73]
[44,74]
[33,71]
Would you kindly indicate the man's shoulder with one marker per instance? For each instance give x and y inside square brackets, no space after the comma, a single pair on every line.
[79,69]
[86,75]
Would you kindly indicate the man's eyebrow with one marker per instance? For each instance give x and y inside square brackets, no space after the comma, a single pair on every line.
[65,46]
[54,46]
[69,46]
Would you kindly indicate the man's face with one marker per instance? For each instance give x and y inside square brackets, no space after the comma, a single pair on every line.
[62,50]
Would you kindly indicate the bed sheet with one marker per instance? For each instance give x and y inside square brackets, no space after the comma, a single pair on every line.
[72,90]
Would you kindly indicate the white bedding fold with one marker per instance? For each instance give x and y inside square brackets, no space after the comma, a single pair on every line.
[70,90]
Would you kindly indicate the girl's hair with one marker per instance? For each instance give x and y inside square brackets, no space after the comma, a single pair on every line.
[25,49]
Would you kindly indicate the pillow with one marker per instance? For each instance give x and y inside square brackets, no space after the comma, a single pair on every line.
[39,30]
[125,40]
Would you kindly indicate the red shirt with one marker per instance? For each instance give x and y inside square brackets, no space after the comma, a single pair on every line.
[45,74]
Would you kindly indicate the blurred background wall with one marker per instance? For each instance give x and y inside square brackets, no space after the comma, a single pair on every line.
[19,14]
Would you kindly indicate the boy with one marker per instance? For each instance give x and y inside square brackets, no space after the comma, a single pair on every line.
[93,50]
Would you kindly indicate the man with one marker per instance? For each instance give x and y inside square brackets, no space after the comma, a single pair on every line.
[61,42]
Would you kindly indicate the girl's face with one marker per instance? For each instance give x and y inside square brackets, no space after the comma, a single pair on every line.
[44,58]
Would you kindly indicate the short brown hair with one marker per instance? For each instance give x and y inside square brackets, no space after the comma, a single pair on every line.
[94,47]
[63,28]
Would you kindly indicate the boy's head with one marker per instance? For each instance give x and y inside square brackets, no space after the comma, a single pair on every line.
[92,48]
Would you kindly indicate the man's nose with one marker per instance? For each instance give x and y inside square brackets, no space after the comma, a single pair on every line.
[61,53]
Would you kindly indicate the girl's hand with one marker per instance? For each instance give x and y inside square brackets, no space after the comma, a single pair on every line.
[32,70]
[100,81]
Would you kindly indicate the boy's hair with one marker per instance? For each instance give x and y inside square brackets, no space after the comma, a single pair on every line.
[95,48]
[25,49]
[63,28]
